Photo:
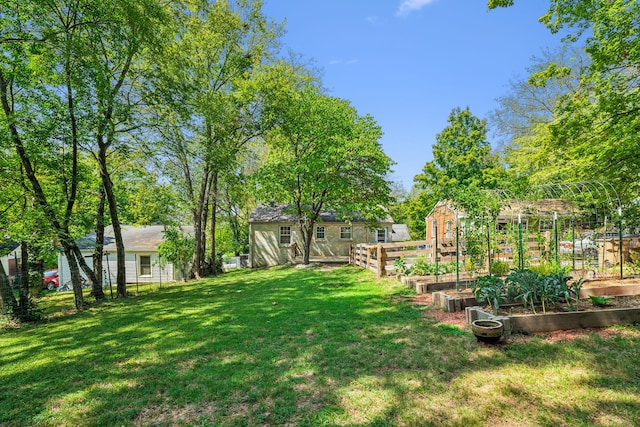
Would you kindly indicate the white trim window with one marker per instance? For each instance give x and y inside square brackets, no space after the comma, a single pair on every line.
[321,233]
[285,235]
[449,226]
[434,227]
[381,235]
[145,265]
[345,233]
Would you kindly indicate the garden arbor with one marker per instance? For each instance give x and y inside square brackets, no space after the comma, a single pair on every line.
[578,226]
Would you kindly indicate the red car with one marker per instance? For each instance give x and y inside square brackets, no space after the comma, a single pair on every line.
[50,279]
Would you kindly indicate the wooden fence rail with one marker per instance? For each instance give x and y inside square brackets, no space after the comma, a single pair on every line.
[380,258]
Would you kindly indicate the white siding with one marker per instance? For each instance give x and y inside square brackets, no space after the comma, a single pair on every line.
[109,265]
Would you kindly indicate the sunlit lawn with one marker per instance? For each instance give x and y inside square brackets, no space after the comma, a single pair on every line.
[296,347]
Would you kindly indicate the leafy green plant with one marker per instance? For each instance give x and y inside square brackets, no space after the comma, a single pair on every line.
[400,265]
[500,268]
[599,301]
[548,268]
[556,287]
[177,248]
[421,267]
[634,265]
[490,289]
[523,285]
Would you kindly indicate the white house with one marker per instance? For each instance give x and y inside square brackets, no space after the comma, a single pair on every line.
[11,258]
[142,261]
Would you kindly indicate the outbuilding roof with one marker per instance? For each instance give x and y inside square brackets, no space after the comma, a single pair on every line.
[283,213]
[143,238]
[400,233]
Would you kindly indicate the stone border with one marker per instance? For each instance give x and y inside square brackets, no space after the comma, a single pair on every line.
[450,303]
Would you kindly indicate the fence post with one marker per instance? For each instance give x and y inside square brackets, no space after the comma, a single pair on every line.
[382,261]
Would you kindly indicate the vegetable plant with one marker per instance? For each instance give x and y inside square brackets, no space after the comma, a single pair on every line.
[599,301]
[523,285]
[490,289]
[400,265]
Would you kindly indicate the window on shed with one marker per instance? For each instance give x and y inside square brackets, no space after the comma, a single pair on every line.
[449,224]
[345,233]
[145,265]
[285,235]
[434,226]
[320,233]
[382,235]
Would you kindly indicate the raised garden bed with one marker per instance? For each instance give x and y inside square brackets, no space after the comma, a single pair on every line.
[424,284]
[530,323]
[623,307]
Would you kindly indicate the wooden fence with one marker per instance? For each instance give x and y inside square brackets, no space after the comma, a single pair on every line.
[380,258]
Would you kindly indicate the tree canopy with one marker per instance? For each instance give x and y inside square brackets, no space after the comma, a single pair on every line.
[323,155]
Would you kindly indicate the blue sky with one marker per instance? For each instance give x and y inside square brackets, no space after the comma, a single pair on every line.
[409,63]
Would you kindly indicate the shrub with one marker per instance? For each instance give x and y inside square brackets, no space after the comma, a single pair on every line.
[500,268]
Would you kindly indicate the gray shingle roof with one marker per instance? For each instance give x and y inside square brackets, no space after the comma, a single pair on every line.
[144,238]
[400,233]
[283,213]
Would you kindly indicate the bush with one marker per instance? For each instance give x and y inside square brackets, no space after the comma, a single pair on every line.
[548,268]
[500,268]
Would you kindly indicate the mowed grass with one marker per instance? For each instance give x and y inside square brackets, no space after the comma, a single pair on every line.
[289,347]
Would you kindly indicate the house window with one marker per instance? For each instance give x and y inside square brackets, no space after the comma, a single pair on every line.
[285,235]
[448,229]
[382,235]
[345,233]
[434,226]
[320,233]
[145,265]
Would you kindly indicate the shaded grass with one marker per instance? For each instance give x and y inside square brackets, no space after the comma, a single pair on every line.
[300,347]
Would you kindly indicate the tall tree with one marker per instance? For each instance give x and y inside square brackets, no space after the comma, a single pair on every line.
[599,122]
[524,117]
[205,81]
[323,155]
[38,112]
[462,158]
[107,54]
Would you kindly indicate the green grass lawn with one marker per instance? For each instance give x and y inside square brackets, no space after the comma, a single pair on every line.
[289,347]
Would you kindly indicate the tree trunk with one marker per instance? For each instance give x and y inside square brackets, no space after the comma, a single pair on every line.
[121,279]
[8,303]
[97,291]
[306,230]
[75,276]
[61,231]
[214,212]
[200,220]
[24,281]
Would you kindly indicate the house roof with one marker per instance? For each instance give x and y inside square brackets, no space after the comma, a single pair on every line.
[144,238]
[8,246]
[281,213]
[400,232]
